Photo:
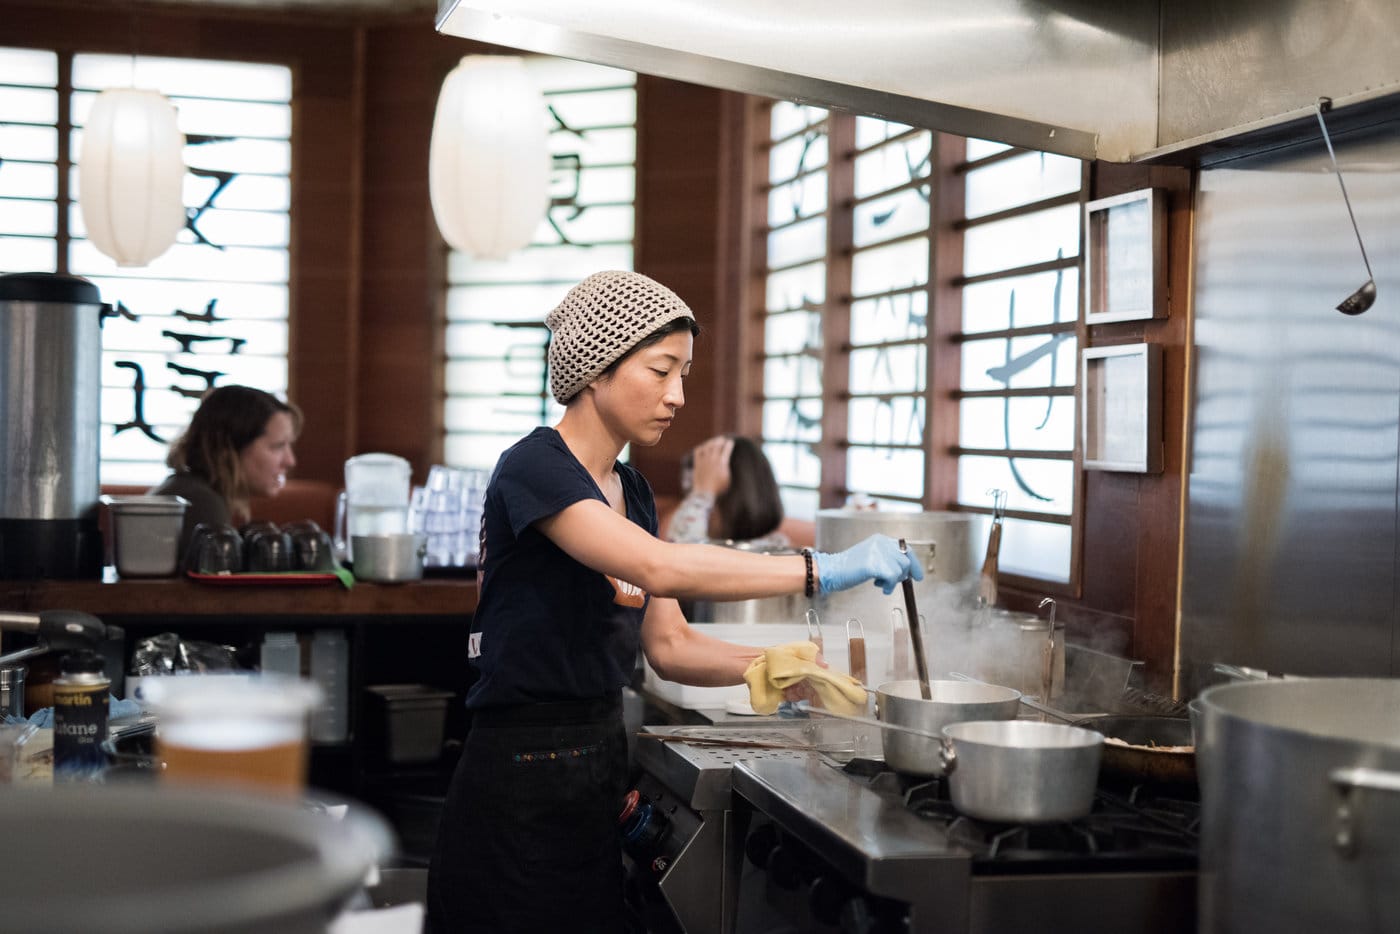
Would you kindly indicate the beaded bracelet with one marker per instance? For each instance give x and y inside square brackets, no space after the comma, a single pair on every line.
[811,587]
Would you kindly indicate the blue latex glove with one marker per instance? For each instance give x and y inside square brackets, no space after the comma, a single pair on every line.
[878,558]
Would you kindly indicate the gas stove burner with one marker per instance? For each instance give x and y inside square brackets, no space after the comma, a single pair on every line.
[914,791]
[929,798]
[1126,820]
[1022,841]
[861,767]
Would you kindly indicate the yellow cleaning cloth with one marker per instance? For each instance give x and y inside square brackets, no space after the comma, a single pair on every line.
[782,666]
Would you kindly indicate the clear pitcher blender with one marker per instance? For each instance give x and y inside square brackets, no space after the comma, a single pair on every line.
[376,498]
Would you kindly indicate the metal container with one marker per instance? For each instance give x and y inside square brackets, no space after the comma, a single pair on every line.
[1300,805]
[12,691]
[1022,771]
[950,547]
[902,704]
[783,608]
[411,721]
[1009,648]
[146,533]
[50,414]
[391,558]
[787,608]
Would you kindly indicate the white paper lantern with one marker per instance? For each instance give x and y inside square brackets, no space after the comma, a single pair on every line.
[489,162]
[131,175]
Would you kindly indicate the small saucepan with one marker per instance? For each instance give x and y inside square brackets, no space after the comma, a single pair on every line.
[1021,771]
[900,704]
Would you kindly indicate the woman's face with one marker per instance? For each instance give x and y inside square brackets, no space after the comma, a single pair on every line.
[641,397]
[266,461]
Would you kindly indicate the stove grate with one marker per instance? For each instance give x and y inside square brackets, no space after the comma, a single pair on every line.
[1139,824]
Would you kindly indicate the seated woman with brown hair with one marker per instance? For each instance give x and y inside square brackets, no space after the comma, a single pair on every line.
[238,445]
[731,495]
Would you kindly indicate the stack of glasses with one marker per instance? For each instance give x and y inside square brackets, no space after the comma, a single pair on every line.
[448,511]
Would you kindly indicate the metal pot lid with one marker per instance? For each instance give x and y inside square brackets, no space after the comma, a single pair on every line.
[48,287]
[1341,709]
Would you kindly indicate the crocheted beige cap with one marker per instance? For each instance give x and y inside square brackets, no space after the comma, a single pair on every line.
[602,318]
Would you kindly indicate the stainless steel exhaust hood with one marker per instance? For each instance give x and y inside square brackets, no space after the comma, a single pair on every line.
[1135,80]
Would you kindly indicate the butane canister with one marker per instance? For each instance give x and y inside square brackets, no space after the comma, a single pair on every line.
[79,718]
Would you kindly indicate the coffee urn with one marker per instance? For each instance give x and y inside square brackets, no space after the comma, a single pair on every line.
[50,417]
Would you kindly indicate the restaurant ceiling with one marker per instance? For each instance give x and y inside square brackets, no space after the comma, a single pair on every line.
[1130,81]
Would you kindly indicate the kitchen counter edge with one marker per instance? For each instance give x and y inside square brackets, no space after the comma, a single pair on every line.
[450,598]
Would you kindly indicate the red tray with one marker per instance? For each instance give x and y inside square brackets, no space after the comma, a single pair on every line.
[300,578]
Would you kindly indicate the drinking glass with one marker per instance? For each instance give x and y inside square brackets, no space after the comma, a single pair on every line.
[246,731]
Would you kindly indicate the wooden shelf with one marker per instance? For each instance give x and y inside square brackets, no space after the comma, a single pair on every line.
[450,600]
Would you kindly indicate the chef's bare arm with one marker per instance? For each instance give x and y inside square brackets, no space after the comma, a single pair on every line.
[595,535]
[682,653]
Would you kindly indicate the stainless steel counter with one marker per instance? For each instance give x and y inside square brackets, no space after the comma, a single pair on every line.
[848,844]
[688,844]
[700,775]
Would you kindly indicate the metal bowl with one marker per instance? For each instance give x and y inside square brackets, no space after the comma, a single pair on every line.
[127,859]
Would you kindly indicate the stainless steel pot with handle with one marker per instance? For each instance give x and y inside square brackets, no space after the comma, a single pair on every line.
[1021,771]
[1300,805]
[900,704]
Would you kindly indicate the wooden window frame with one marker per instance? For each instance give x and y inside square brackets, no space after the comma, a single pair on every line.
[949,167]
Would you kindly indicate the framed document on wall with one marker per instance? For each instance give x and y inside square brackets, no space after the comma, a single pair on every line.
[1122,407]
[1125,257]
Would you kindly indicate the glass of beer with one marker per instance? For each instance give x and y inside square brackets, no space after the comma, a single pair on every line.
[233,730]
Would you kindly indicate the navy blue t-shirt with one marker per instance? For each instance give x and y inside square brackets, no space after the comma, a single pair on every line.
[548,628]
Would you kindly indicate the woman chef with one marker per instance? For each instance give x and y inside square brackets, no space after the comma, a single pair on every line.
[573,579]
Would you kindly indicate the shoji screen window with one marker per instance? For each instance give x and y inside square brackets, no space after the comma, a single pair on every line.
[1019,310]
[888,315]
[213,309]
[795,291]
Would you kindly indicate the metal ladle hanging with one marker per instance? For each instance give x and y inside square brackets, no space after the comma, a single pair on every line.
[1364,297]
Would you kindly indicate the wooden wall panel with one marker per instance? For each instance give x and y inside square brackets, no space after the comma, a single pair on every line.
[400,391]
[679,213]
[1132,541]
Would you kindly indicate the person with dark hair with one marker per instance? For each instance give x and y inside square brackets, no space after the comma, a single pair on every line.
[732,495]
[238,445]
[573,581]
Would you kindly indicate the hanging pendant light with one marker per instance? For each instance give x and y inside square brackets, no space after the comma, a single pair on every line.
[489,162]
[131,174]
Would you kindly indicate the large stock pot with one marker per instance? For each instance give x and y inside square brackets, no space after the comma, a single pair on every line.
[1300,797]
